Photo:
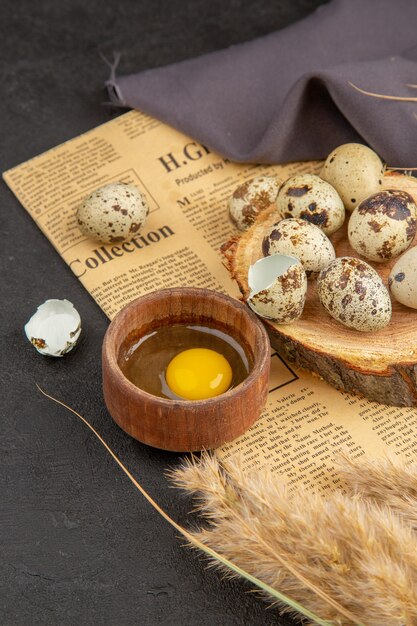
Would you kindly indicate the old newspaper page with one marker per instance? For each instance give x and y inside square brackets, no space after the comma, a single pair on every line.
[305,421]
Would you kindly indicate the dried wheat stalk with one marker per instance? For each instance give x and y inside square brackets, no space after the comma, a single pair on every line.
[348,559]
[383,96]
[228,565]
[389,481]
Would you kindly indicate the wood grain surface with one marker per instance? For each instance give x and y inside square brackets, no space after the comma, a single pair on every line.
[380,365]
[183,425]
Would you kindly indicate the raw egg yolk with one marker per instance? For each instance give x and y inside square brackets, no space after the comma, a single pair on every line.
[199,373]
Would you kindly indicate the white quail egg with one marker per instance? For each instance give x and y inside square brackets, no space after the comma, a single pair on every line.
[355,171]
[251,198]
[310,198]
[113,213]
[302,240]
[353,293]
[383,226]
[278,287]
[54,328]
[403,279]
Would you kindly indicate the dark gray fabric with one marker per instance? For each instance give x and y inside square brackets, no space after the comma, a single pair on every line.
[287,96]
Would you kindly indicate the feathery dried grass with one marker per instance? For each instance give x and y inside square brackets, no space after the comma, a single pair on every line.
[347,559]
[390,481]
[228,565]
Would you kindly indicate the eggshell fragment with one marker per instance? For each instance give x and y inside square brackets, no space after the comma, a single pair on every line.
[384,225]
[310,198]
[278,287]
[302,240]
[250,199]
[355,171]
[403,279]
[353,293]
[55,328]
[113,213]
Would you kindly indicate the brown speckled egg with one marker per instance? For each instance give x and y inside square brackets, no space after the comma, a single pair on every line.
[113,213]
[383,226]
[278,288]
[353,293]
[355,171]
[310,198]
[250,198]
[403,279]
[302,240]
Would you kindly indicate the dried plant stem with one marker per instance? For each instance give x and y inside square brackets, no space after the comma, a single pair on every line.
[396,99]
[194,541]
[401,169]
[383,96]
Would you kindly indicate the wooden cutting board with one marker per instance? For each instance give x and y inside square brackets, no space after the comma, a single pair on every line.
[381,365]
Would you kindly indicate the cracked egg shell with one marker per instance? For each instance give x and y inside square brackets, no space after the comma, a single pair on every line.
[402,280]
[355,171]
[278,287]
[113,213]
[353,293]
[250,199]
[55,328]
[311,198]
[302,240]
[383,226]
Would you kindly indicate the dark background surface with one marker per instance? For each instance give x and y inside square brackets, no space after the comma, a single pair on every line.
[78,544]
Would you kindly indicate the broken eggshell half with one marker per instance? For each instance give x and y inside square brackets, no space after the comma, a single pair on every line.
[55,327]
[278,287]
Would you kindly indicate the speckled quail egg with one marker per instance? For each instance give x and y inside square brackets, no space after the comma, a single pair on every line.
[383,226]
[310,198]
[353,293]
[355,171]
[113,213]
[278,287]
[403,279]
[251,198]
[302,240]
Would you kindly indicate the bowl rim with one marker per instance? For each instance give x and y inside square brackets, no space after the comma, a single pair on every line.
[258,361]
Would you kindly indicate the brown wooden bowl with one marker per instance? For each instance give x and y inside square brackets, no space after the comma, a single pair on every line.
[184,425]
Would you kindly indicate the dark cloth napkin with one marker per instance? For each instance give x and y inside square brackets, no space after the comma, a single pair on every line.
[286,96]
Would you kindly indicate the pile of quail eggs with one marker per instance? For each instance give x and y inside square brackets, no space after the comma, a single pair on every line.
[382,226]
